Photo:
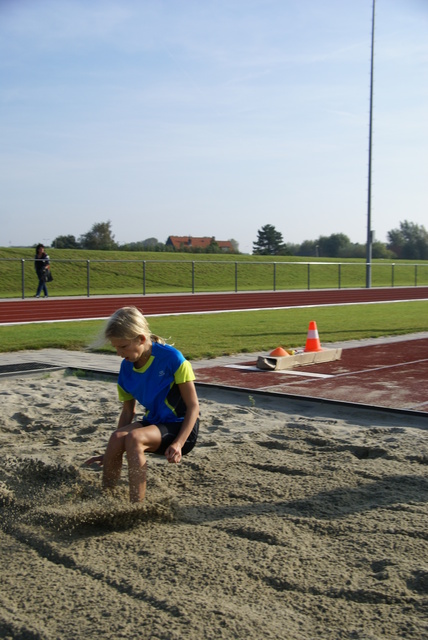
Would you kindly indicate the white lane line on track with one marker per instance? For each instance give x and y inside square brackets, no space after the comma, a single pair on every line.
[290,372]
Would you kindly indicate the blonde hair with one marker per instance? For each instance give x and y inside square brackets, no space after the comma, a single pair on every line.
[128,323]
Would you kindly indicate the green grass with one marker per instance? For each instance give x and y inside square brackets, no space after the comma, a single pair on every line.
[120,272]
[213,335]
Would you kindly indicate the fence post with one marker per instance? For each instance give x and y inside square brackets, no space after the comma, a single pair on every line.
[193,276]
[340,275]
[392,274]
[87,278]
[144,277]
[236,277]
[416,275]
[23,277]
[309,275]
[274,276]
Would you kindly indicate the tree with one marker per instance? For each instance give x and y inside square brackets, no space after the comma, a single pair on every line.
[307,248]
[269,242]
[213,247]
[150,244]
[65,242]
[99,237]
[409,242]
[333,246]
[235,245]
[380,251]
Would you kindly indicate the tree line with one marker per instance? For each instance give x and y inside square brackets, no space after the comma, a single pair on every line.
[408,242]
[100,236]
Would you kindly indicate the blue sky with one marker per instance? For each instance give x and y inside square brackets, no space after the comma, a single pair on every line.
[210,118]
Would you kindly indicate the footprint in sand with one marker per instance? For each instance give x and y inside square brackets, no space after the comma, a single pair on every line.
[22,418]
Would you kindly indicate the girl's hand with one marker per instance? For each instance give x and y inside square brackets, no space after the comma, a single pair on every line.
[95,460]
[173,453]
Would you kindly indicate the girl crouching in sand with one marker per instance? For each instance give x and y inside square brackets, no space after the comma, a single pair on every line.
[159,377]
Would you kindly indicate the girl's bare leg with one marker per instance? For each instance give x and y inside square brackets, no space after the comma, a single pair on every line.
[137,483]
[136,443]
[112,463]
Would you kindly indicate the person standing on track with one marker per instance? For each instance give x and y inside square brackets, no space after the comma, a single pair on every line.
[159,377]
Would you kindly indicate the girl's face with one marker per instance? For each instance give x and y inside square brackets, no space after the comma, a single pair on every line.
[130,350]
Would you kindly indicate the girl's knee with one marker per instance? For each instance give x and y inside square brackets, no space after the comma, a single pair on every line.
[115,437]
[117,440]
[133,441]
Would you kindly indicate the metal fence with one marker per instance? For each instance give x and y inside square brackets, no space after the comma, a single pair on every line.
[141,277]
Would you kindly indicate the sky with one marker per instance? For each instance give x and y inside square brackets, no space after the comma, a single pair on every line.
[211,118]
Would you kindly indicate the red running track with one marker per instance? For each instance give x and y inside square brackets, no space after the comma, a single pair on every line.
[51,309]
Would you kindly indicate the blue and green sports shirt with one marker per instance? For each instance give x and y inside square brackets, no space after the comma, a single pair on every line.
[154,386]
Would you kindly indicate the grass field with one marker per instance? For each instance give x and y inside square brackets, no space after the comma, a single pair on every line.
[217,334]
[77,272]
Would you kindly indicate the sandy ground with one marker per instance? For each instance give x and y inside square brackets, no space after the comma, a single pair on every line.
[280,524]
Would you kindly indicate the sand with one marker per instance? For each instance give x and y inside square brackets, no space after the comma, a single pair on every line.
[282,523]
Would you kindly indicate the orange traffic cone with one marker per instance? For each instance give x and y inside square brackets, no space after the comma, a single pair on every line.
[279,352]
[313,340]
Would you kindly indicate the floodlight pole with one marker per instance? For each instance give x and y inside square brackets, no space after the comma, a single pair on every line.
[369,192]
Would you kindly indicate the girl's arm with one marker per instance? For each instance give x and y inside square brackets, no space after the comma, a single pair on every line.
[190,398]
[127,414]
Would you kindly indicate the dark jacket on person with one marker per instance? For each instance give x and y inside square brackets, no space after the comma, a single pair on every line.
[40,264]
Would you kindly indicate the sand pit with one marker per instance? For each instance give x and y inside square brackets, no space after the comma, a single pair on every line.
[280,524]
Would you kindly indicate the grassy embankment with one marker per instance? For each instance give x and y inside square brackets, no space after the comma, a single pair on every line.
[119,272]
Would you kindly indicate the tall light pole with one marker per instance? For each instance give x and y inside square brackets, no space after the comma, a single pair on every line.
[369,191]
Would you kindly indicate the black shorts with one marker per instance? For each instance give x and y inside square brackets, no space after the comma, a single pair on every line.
[169,432]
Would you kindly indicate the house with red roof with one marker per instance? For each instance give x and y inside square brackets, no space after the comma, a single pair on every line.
[191,243]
